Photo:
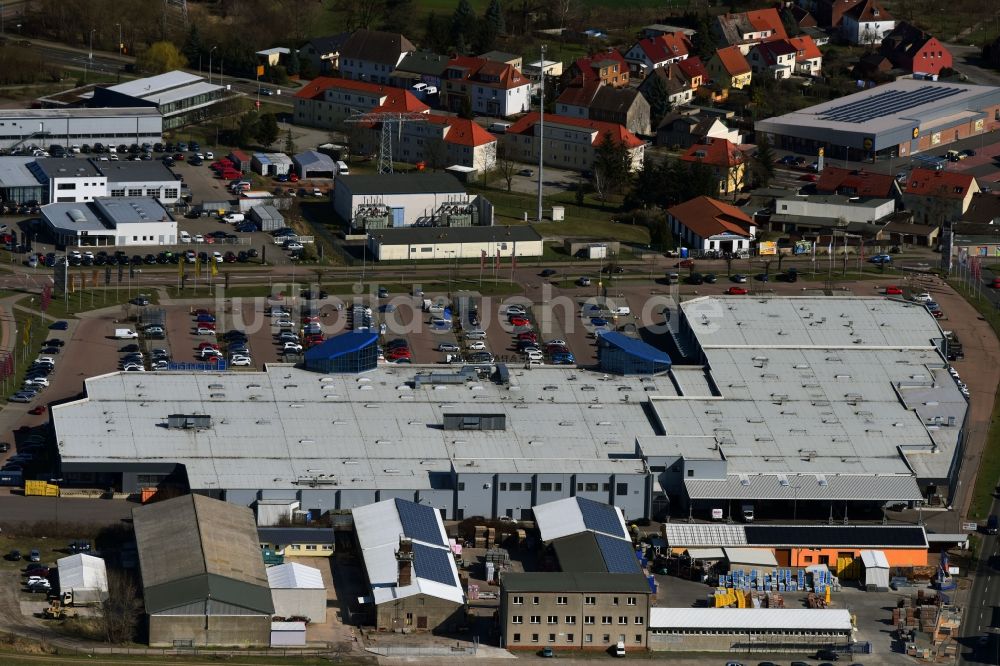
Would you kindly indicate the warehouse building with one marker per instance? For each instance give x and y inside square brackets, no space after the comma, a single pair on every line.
[142,178]
[83,577]
[898,119]
[312,164]
[404,200]
[773,370]
[574,611]
[747,630]
[68,179]
[271,164]
[203,577]
[20,128]
[450,243]
[18,182]
[409,567]
[179,97]
[297,591]
[126,222]
[268,218]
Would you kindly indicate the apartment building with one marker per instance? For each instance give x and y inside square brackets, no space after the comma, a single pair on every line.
[574,611]
[486,87]
[570,143]
[325,102]
[372,55]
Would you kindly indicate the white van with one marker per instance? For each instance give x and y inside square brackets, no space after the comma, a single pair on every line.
[499,128]
[232,218]
[622,310]
[342,168]
[747,510]
[620,649]
[125,334]
[185,237]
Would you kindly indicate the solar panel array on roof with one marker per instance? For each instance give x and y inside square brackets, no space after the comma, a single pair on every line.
[858,536]
[419,522]
[433,564]
[618,554]
[600,517]
[887,103]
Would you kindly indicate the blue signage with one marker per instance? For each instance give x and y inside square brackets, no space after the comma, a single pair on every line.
[211,366]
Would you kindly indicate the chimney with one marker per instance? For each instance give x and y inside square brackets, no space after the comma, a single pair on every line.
[404,562]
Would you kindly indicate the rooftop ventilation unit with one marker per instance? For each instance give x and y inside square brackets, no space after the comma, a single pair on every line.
[189,421]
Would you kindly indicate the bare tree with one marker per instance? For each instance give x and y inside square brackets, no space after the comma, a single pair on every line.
[562,11]
[506,167]
[486,160]
[601,183]
[120,614]
[436,153]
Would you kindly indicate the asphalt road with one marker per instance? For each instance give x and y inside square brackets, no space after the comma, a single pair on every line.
[981,645]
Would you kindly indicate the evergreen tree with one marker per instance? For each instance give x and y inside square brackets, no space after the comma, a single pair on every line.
[611,161]
[763,163]
[437,35]
[494,17]
[193,44]
[267,130]
[289,143]
[704,40]
[463,24]
[292,65]
[247,129]
[659,100]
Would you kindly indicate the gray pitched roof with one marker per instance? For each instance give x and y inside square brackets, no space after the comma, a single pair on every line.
[401,183]
[614,100]
[376,46]
[328,43]
[423,62]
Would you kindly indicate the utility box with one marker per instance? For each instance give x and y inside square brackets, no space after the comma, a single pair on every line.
[558,213]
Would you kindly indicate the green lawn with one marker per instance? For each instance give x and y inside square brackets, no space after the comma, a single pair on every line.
[89,299]
[947,21]
[988,474]
[26,345]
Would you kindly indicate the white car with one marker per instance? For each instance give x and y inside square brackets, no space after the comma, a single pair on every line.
[217,256]
[448,347]
[134,368]
[534,355]
[240,361]
[293,246]
[515,310]
[36,381]
[278,312]
[209,351]
[556,343]
[478,345]
[45,360]
[292,346]
[283,322]
[199,238]
[209,155]
[201,330]
[923,297]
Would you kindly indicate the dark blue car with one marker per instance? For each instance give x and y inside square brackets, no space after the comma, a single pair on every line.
[58,326]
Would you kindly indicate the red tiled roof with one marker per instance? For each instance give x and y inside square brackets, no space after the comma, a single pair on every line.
[402,101]
[706,217]
[943,184]
[805,47]
[864,12]
[462,131]
[665,47]
[693,67]
[315,88]
[767,19]
[855,182]
[477,68]
[395,99]
[587,63]
[733,61]
[579,95]
[526,125]
[715,152]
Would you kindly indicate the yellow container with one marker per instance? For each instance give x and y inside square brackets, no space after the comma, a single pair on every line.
[41,489]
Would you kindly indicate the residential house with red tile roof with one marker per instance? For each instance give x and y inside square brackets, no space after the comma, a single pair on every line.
[486,87]
[325,101]
[704,224]
[695,71]
[808,57]
[608,67]
[802,17]
[724,159]
[623,106]
[937,196]
[372,55]
[729,68]
[911,49]
[687,126]
[652,52]
[858,183]
[775,59]
[570,143]
[678,87]
[745,29]
[441,142]
[867,23]
[830,13]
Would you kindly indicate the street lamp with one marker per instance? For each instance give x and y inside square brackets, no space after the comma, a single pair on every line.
[90,55]
[210,63]
[120,44]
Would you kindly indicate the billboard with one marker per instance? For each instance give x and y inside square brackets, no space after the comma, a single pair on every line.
[765,248]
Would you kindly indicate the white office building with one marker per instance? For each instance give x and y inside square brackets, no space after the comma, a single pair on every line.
[66,126]
[119,222]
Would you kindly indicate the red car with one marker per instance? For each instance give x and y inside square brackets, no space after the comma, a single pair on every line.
[310,319]
[737,291]
[893,291]
[528,335]
[201,311]
[37,410]
[686,263]
[519,321]
[810,177]
[938,314]
[396,354]
[293,177]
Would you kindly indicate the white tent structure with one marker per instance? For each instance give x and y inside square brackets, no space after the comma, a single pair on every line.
[85,576]
[297,591]
[876,568]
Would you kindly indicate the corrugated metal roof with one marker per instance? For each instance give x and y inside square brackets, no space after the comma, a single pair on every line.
[565,517]
[751,556]
[874,559]
[294,575]
[706,553]
[839,487]
[703,534]
[154,84]
[751,619]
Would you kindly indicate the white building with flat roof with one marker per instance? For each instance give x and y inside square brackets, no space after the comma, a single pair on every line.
[104,221]
[69,126]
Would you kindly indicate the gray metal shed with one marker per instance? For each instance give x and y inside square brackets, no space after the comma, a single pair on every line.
[267,217]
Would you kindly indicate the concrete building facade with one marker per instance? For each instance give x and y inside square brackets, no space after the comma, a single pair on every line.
[453,243]
[69,126]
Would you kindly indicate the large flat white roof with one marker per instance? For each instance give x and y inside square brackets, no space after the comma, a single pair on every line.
[760,619]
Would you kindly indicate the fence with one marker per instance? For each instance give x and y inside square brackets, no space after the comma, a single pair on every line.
[327,651]
[422,651]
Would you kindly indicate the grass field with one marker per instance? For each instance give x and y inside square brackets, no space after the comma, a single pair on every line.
[88,299]
[975,21]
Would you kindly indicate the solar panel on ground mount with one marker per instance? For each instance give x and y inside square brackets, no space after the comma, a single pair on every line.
[600,517]
[618,554]
[433,564]
[887,103]
[419,522]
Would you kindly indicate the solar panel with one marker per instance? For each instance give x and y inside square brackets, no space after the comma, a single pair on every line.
[618,554]
[419,522]
[887,103]
[433,564]
[858,536]
[600,517]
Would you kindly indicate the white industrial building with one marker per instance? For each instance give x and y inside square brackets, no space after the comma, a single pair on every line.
[444,243]
[875,565]
[76,180]
[271,164]
[836,208]
[69,126]
[69,180]
[181,98]
[140,178]
[297,591]
[405,200]
[83,576]
[748,629]
[120,222]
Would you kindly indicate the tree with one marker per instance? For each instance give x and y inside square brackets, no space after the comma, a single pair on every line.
[494,17]
[193,44]
[705,43]
[659,100]
[119,615]
[398,15]
[463,23]
[437,35]
[436,153]
[360,14]
[506,167]
[289,142]
[161,57]
[247,128]
[466,109]
[292,64]
[267,130]
[611,165]
[491,27]
[763,163]
[561,11]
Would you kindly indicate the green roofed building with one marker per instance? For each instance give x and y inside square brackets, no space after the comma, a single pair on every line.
[203,576]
